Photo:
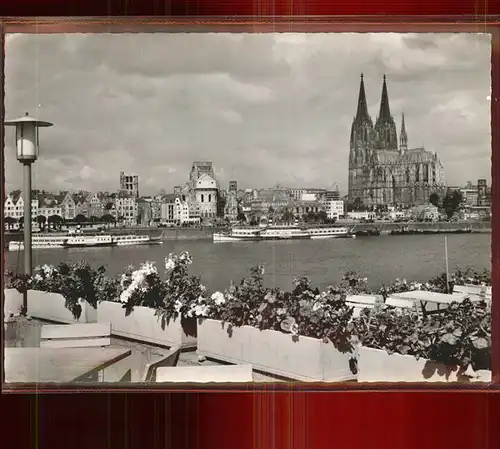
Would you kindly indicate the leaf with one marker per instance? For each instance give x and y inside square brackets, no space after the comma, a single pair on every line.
[449,338]
[404,349]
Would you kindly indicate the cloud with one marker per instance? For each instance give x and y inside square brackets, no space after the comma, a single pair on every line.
[264,108]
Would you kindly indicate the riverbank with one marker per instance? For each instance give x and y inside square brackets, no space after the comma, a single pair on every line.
[206,233]
[386,227]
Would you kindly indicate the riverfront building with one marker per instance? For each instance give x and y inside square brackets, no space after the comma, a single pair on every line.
[202,191]
[129,182]
[384,170]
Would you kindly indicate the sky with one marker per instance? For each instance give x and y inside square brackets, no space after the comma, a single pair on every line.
[266,109]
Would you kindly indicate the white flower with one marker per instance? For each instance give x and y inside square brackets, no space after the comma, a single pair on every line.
[169,264]
[203,288]
[218,298]
[38,278]
[48,270]
[136,279]
[317,306]
[201,310]
[178,305]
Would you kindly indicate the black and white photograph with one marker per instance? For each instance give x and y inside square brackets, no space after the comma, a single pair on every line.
[226,208]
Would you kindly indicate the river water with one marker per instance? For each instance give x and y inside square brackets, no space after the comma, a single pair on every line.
[381,259]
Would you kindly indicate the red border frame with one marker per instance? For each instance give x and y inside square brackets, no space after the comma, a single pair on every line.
[403,420]
[309,24]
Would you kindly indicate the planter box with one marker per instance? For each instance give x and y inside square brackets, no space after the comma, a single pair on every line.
[376,365]
[307,359]
[13,301]
[50,307]
[143,325]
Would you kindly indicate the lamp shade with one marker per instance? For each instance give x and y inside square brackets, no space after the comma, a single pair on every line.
[27,136]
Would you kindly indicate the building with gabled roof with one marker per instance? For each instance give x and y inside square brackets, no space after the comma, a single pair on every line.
[126,207]
[14,205]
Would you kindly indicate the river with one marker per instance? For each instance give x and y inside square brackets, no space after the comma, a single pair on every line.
[381,259]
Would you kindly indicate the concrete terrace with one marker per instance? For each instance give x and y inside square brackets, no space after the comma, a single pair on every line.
[25,332]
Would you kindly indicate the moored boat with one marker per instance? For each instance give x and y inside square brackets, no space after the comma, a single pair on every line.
[407,231]
[329,232]
[277,232]
[128,240]
[88,241]
[79,240]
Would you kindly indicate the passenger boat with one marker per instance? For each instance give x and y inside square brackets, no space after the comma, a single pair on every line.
[329,232]
[284,233]
[40,241]
[88,241]
[79,240]
[273,232]
[127,240]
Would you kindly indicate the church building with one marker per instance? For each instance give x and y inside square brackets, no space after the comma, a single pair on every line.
[384,170]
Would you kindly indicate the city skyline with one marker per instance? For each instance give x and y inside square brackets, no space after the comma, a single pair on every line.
[264,108]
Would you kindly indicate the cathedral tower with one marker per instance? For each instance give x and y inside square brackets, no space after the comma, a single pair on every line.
[361,143]
[403,138]
[361,129]
[385,127]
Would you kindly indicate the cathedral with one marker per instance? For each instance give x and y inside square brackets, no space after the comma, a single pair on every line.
[382,169]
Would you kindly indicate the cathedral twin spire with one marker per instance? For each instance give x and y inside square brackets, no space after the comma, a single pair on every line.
[385,135]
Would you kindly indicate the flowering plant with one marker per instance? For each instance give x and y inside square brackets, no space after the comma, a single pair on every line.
[402,285]
[354,283]
[459,336]
[73,281]
[303,311]
[469,276]
[21,282]
[438,284]
[183,295]
[141,287]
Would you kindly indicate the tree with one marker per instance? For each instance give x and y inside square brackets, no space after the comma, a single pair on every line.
[241,216]
[434,199]
[10,221]
[287,216]
[80,218]
[41,220]
[358,204]
[56,221]
[321,216]
[21,222]
[108,218]
[452,202]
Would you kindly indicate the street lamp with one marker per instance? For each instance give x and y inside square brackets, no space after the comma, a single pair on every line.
[27,153]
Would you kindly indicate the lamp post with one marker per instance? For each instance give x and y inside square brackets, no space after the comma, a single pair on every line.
[27,153]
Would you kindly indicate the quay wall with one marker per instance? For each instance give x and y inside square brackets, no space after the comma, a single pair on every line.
[206,233]
[385,227]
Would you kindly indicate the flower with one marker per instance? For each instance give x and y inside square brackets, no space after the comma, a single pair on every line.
[288,324]
[169,263]
[135,282]
[218,298]
[178,306]
[270,297]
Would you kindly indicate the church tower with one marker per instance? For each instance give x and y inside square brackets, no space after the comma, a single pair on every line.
[361,144]
[403,138]
[385,128]
[361,130]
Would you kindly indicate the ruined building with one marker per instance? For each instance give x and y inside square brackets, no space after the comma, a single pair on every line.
[384,170]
